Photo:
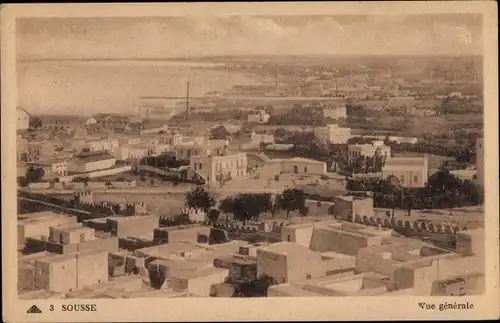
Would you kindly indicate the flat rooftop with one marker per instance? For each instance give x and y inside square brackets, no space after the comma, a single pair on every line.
[286,248]
[168,249]
[199,273]
[40,216]
[293,290]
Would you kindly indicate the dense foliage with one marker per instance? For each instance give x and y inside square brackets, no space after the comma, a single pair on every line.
[443,191]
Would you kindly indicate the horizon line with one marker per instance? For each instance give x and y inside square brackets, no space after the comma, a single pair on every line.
[238,56]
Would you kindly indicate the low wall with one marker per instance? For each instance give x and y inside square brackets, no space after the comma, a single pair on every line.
[408,228]
[39,186]
[99,173]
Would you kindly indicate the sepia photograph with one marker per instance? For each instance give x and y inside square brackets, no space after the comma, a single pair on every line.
[253,156]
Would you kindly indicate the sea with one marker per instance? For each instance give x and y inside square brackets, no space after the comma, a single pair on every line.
[85,87]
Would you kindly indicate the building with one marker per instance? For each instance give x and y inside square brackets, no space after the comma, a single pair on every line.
[376,148]
[66,273]
[480,161]
[132,225]
[39,223]
[261,138]
[345,239]
[100,145]
[422,268]
[343,284]
[223,167]
[22,119]
[303,166]
[90,161]
[53,166]
[289,262]
[261,117]
[335,111]
[68,238]
[409,171]
[60,123]
[28,151]
[185,233]
[347,207]
[172,138]
[332,134]
[184,151]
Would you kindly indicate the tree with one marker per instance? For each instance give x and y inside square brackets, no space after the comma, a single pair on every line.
[35,122]
[451,199]
[34,174]
[292,200]
[219,132]
[250,206]
[200,199]
[22,181]
[442,181]
[391,202]
[410,201]
[226,206]
[303,211]
[213,215]
[280,132]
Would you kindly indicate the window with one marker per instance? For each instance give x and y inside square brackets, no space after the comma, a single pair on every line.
[415,179]
[194,166]
[200,166]
[308,277]
[305,169]
[289,238]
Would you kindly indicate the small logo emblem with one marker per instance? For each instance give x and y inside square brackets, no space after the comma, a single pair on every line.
[34,310]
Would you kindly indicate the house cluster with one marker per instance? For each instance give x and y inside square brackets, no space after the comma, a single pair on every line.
[132,256]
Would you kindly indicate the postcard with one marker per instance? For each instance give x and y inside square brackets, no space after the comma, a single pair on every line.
[315,161]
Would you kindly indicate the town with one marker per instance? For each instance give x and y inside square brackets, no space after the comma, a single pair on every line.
[325,180]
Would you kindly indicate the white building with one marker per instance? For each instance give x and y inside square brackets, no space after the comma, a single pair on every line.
[131,152]
[216,167]
[376,148]
[90,161]
[333,134]
[22,119]
[409,171]
[53,166]
[186,150]
[480,161]
[303,166]
[101,145]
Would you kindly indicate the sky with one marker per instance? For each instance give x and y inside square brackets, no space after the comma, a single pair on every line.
[189,36]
